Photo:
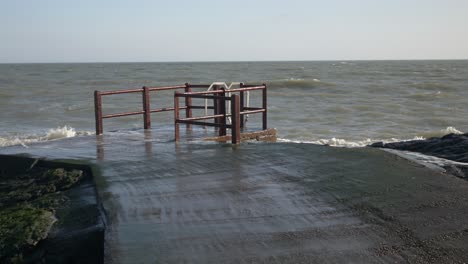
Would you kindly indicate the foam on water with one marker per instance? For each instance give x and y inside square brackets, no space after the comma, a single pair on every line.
[52,134]
[440,133]
[339,142]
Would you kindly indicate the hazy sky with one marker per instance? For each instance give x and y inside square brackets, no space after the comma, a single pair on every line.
[208,30]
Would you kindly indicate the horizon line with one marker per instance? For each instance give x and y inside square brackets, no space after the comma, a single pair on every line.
[227,61]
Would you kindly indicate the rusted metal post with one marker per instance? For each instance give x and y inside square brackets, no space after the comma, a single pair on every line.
[98,112]
[146,108]
[241,109]
[188,104]
[264,106]
[176,115]
[222,108]
[215,106]
[235,119]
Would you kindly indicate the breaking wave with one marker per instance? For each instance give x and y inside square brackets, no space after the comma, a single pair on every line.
[52,134]
[338,142]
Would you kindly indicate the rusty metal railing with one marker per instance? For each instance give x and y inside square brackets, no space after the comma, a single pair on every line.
[237,110]
[188,107]
[146,111]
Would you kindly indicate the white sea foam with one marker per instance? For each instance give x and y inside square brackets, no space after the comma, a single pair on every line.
[52,134]
[440,133]
[339,142]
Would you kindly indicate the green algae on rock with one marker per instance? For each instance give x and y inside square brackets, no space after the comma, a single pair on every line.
[29,197]
[63,179]
[36,183]
[22,227]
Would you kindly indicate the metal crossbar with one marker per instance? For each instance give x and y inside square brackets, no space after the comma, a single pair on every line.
[215,93]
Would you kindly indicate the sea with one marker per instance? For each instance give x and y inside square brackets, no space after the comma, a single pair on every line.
[336,103]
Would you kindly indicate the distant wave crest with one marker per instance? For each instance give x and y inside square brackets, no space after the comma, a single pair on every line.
[298,83]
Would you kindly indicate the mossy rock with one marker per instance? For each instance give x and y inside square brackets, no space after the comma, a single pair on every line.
[21,228]
[37,213]
[61,178]
[37,183]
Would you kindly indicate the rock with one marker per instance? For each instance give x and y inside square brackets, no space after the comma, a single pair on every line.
[61,178]
[21,228]
[49,213]
[36,183]
[452,147]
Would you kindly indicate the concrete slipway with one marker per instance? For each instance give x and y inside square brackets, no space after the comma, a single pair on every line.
[204,202]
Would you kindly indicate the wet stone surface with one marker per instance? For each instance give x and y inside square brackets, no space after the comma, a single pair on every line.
[269,203]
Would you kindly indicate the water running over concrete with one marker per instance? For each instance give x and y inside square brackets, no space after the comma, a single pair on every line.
[272,203]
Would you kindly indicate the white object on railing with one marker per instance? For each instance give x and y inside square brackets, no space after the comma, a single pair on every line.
[209,89]
[228,94]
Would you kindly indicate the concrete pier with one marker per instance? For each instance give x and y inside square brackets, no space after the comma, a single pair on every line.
[205,202]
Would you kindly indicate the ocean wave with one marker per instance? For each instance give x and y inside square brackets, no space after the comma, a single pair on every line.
[298,83]
[427,96]
[431,86]
[339,142]
[52,134]
[440,133]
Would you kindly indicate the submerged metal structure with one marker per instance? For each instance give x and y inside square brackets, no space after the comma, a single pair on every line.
[230,106]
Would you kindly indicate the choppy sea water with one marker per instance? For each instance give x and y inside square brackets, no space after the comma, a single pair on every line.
[339,103]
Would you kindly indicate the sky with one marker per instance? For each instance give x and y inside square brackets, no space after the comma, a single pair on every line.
[240,30]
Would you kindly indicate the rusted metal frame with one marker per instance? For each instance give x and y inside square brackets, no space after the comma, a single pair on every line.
[252,108]
[264,106]
[247,89]
[216,109]
[123,114]
[166,109]
[201,107]
[201,117]
[231,90]
[166,88]
[188,104]
[220,115]
[176,116]
[241,103]
[201,96]
[146,108]
[251,85]
[252,112]
[222,111]
[235,119]
[122,91]
[98,112]
[200,85]
[162,88]
[203,123]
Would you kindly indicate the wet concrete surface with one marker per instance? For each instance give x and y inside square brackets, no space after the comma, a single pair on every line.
[268,202]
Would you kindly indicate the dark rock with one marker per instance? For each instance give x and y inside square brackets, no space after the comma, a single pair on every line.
[21,228]
[452,147]
[48,214]
[377,145]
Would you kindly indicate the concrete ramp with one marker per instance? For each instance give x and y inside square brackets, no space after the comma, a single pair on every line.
[271,203]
